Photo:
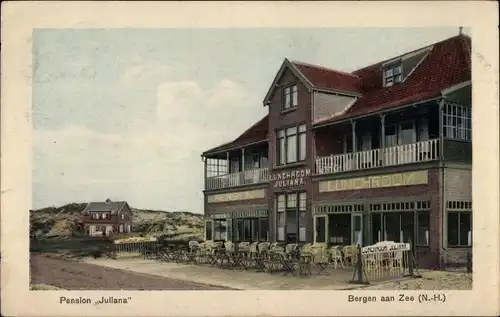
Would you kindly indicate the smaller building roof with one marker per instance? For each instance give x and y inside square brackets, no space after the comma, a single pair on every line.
[108,206]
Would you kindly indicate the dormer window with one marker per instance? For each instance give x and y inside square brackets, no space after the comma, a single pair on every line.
[393,74]
[290,97]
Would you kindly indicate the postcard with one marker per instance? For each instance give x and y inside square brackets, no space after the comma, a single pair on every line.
[249,158]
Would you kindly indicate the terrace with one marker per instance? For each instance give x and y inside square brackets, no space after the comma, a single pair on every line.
[247,166]
[408,136]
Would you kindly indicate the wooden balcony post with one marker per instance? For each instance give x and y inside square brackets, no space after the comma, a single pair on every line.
[441,129]
[242,174]
[228,163]
[204,159]
[353,126]
[382,131]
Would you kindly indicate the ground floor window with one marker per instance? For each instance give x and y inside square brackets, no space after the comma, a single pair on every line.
[208,230]
[401,227]
[255,229]
[291,217]
[320,234]
[220,226]
[459,226]
[339,229]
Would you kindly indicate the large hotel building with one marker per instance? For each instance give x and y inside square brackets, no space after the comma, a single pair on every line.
[381,153]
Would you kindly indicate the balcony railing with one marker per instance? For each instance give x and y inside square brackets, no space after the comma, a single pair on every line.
[389,156]
[248,177]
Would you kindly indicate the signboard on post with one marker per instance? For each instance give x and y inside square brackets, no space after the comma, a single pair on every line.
[291,178]
[385,247]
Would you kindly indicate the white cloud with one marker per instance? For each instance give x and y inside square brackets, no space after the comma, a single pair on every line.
[153,164]
[141,73]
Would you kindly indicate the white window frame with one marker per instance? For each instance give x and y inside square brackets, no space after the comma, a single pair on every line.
[300,149]
[392,74]
[291,92]
[457,121]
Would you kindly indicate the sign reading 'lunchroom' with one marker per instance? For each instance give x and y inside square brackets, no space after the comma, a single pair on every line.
[379,181]
[291,179]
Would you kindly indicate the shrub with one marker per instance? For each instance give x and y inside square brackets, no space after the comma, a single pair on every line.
[96,253]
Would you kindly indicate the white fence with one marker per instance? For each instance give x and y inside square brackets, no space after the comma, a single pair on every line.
[384,260]
[247,177]
[389,156]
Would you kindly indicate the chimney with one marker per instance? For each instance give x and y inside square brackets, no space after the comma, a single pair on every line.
[460,29]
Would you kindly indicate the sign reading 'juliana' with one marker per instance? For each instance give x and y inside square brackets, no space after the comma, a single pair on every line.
[290,179]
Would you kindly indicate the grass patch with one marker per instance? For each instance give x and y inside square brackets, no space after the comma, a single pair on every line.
[44,287]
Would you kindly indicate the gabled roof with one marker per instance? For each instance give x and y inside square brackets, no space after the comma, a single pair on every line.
[256,133]
[317,77]
[325,78]
[447,64]
[114,207]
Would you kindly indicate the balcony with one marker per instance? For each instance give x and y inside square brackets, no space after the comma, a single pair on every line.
[248,177]
[390,156]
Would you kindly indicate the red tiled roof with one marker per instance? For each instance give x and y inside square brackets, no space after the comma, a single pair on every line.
[257,132]
[322,77]
[446,65]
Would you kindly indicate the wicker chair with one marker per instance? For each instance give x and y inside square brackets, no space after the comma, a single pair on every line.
[320,258]
[336,257]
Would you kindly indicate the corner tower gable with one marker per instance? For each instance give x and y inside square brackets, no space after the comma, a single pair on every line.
[285,66]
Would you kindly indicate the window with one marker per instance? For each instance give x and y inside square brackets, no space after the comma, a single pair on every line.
[208,230]
[291,217]
[290,97]
[264,229]
[401,227]
[291,145]
[123,216]
[393,75]
[219,229]
[423,228]
[320,229]
[280,218]
[457,122]
[302,217]
[459,229]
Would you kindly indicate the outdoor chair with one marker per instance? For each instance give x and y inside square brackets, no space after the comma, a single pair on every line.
[244,254]
[229,254]
[263,249]
[336,257]
[254,254]
[305,257]
[319,258]
[289,258]
[274,258]
[217,253]
[349,254]
[192,254]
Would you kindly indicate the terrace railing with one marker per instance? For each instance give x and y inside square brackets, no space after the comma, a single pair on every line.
[389,156]
[248,177]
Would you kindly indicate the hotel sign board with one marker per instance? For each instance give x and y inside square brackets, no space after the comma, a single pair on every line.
[379,181]
[234,196]
[291,178]
[385,247]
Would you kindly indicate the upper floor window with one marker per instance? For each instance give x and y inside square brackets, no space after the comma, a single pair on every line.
[291,145]
[457,122]
[393,74]
[290,97]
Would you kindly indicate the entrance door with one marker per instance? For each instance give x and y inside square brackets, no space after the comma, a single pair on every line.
[357,229]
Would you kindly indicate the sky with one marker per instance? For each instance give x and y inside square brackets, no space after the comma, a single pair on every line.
[126,113]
